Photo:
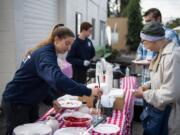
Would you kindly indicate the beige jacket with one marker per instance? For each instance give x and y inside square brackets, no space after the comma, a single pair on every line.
[165,84]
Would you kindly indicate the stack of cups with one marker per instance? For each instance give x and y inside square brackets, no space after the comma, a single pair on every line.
[109,76]
[99,72]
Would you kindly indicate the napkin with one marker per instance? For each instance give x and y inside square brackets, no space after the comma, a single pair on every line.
[107,101]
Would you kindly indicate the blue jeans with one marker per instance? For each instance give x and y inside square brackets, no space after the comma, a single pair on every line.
[154,121]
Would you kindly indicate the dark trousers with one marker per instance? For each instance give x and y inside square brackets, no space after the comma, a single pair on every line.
[18,114]
[79,75]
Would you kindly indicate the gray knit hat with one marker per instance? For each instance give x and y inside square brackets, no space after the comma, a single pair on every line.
[152,31]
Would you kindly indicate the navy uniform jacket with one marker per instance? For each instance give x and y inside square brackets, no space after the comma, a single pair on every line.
[36,74]
[81,50]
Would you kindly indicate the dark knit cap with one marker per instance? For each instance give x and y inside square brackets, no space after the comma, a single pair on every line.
[153,29]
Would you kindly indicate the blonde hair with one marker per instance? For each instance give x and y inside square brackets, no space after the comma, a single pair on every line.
[59,31]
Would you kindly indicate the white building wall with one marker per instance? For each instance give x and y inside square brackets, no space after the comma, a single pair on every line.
[93,13]
[23,23]
[62,11]
[73,7]
[89,9]
[7,43]
[103,10]
[33,21]
[103,18]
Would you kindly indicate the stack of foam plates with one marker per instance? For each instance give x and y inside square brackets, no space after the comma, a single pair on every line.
[33,129]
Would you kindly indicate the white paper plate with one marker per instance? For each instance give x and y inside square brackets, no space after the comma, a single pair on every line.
[71,131]
[33,129]
[76,114]
[68,97]
[92,85]
[117,92]
[70,103]
[107,129]
[141,62]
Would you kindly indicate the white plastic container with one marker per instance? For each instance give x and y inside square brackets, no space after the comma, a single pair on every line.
[103,86]
[99,72]
[53,123]
[109,76]
[127,71]
[84,108]
[115,92]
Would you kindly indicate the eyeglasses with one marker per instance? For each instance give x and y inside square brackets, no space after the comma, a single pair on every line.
[142,41]
[148,20]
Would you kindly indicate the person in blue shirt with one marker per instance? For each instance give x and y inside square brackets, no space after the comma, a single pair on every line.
[37,76]
[81,53]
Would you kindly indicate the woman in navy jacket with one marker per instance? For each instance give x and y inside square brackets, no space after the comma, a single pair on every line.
[37,75]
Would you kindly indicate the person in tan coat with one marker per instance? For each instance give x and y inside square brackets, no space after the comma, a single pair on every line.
[163,92]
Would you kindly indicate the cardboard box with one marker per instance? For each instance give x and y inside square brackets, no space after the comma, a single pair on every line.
[119,103]
[88,100]
[120,98]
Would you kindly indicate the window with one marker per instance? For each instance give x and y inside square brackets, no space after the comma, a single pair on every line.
[102,33]
[78,23]
[93,28]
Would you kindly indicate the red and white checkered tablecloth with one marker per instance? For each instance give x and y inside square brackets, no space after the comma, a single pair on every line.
[121,118]
[129,84]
